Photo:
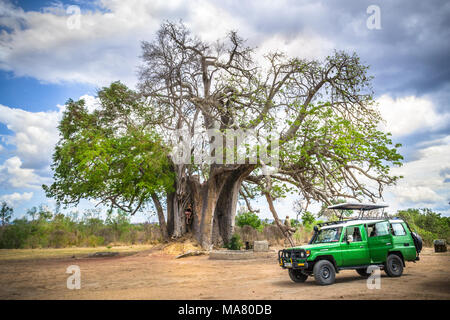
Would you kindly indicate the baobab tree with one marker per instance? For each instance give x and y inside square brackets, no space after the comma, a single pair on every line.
[319,117]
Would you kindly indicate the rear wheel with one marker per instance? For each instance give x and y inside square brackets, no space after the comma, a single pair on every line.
[297,275]
[393,266]
[324,272]
[363,272]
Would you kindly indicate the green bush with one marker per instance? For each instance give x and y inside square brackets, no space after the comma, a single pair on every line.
[295,223]
[235,243]
[250,219]
[428,224]
[308,218]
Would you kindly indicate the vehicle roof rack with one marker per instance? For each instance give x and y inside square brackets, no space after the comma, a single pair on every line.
[327,223]
[358,206]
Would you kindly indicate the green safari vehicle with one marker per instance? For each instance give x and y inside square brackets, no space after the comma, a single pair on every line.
[353,244]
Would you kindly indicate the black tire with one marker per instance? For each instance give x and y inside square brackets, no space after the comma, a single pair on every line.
[324,272]
[393,266]
[297,275]
[417,242]
[363,273]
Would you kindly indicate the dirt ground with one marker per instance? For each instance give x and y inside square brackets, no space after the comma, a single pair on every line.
[155,274]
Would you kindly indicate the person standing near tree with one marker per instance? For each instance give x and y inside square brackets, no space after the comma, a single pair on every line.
[188,213]
[288,225]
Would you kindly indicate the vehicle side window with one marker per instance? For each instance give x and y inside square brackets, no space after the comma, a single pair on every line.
[371,230]
[355,232]
[382,228]
[378,229]
[398,230]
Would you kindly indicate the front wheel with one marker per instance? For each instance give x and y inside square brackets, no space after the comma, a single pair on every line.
[393,266]
[324,272]
[297,275]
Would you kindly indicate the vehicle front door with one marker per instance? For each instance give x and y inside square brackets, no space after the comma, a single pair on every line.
[356,252]
[380,241]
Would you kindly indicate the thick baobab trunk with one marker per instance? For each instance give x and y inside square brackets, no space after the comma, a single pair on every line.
[224,215]
[213,202]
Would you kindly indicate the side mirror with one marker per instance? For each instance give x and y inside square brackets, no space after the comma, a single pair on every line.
[349,238]
[316,228]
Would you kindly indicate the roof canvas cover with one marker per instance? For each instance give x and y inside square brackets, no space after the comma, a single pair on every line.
[358,206]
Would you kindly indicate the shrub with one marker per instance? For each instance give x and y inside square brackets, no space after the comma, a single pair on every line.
[428,224]
[235,242]
[295,223]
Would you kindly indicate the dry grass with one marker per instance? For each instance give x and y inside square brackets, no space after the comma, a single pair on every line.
[24,254]
[181,246]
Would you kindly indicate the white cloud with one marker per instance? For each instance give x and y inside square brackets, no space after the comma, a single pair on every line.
[303,45]
[34,137]
[417,194]
[16,198]
[106,47]
[35,134]
[424,179]
[410,114]
[90,102]
[12,173]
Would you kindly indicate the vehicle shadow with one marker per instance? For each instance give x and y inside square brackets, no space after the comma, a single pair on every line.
[310,282]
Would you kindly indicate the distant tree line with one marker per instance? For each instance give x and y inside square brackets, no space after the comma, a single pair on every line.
[428,224]
[41,228]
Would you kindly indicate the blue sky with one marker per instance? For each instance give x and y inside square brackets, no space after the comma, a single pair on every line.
[44,62]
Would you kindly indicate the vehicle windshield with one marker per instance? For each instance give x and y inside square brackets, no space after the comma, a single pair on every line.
[328,235]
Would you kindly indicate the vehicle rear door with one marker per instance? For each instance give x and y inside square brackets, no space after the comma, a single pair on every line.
[402,241]
[356,252]
[380,241]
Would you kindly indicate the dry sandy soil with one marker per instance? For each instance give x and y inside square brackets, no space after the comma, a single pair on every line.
[156,274]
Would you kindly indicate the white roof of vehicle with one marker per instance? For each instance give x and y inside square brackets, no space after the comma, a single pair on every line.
[358,206]
[347,223]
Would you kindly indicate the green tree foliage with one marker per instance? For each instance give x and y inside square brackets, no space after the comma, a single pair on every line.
[308,218]
[119,221]
[5,213]
[295,223]
[250,219]
[428,224]
[109,154]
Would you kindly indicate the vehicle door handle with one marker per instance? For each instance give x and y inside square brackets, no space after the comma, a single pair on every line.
[388,243]
[361,246]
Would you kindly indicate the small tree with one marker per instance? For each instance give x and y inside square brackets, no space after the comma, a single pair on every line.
[295,223]
[248,218]
[5,213]
[32,213]
[308,218]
